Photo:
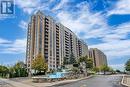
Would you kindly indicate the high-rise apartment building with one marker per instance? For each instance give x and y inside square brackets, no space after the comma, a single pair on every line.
[53,40]
[99,58]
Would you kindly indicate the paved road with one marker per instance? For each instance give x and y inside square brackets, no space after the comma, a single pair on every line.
[97,81]
[11,83]
[4,84]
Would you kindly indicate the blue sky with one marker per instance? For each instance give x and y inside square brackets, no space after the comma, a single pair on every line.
[104,24]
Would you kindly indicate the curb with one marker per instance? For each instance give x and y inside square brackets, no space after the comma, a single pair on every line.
[122,82]
[64,83]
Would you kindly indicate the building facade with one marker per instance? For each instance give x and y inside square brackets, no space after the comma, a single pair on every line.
[53,40]
[99,58]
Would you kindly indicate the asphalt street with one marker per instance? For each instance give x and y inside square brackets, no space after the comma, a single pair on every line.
[4,84]
[97,81]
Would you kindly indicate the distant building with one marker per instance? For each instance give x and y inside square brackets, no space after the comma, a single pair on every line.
[99,58]
[53,40]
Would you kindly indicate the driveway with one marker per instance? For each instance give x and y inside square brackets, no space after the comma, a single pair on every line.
[97,81]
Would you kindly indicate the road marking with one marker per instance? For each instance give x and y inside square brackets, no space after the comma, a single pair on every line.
[83,85]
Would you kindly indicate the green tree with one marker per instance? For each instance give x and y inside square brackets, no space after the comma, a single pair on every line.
[72,59]
[89,63]
[65,61]
[127,65]
[18,70]
[4,71]
[118,71]
[81,59]
[75,70]
[104,69]
[39,64]
[111,70]
[96,69]
[12,72]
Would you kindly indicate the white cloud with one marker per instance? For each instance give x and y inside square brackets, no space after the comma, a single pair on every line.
[117,33]
[3,41]
[17,46]
[114,49]
[94,25]
[117,67]
[30,6]
[23,24]
[123,28]
[122,7]
[27,5]
[84,21]
[60,5]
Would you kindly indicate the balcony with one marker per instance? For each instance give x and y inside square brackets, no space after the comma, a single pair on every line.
[67,52]
[46,38]
[67,55]
[57,26]
[46,32]
[57,41]
[57,45]
[46,19]
[66,49]
[57,36]
[57,48]
[66,35]
[57,53]
[66,45]
[46,35]
[46,56]
[46,22]
[46,45]
[46,26]
[46,48]
[46,52]
[67,38]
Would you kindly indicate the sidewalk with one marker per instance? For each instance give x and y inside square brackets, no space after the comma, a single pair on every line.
[126,80]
